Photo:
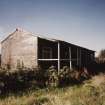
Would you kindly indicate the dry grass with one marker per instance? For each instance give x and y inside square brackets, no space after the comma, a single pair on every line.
[92,92]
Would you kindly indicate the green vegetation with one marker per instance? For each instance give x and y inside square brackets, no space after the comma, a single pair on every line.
[102,55]
[46,87]
[25,78]
[91,92]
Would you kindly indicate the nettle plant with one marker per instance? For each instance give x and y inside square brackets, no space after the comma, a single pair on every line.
[65,76]
[52,78]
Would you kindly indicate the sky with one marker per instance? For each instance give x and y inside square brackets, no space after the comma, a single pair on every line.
[81,22]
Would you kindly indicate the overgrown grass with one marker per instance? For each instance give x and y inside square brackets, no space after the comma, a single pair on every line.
[85,94]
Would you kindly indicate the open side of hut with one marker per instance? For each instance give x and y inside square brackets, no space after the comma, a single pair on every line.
[22,48]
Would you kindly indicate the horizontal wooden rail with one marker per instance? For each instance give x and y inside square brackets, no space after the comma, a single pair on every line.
[57,59]
[47,59]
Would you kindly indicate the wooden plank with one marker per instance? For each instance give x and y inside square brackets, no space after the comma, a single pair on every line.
[56,59]
[77,57]
[70,57]
[80,58]
[47,59]
[58,56]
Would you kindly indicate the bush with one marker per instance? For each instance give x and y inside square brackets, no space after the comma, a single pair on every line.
[31,78]
[64,77]
[52,78]
[20,80]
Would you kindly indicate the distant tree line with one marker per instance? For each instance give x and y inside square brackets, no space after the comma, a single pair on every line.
[101,56]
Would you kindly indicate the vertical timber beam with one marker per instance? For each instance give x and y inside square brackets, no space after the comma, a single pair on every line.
[86,57]
[77,57]
[70,57]
[80,57]
[58,56]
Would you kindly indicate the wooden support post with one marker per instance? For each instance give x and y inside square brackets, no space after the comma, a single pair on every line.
[70,57]
[80,58]
[86,58]
[77,57]
[58,56]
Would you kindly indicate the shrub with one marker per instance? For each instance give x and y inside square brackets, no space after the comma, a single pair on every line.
[31,78]
[64,77]
[51,76]
[20,79]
